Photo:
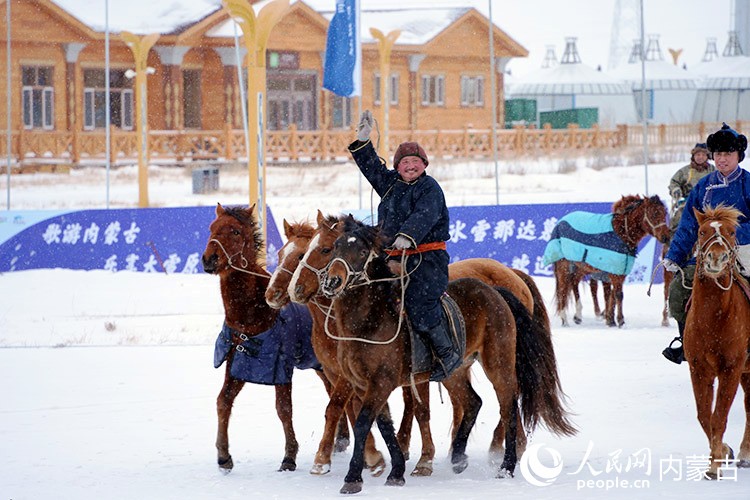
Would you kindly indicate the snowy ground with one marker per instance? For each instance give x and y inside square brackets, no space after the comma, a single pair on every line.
[109,391]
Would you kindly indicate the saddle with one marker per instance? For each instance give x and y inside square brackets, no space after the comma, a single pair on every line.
[422,359]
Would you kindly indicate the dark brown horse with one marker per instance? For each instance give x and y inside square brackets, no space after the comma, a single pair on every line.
[232,253]
[717,336]
[374,352]
[298,236]
[634,218]
[305,288]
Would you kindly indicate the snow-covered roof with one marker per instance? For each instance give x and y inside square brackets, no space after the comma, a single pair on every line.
[660,75]
[723,67]
[568,79]
[140,16]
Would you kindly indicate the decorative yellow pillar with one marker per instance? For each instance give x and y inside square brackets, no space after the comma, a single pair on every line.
[385,45]
[255,31]
[140,46]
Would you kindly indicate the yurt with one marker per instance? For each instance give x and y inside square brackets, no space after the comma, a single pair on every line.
[574,85]
[670,90]
[724,92]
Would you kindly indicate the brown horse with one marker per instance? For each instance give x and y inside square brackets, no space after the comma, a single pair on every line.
[635,218]
[232,252]
[298,237]
[305,288]
[717,337]
[375,354]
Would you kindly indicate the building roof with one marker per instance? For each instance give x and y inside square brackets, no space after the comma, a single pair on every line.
[660,75]
[567,79]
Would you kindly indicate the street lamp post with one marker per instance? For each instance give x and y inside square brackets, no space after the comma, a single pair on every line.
[385,45]
[140,46]
[255,33]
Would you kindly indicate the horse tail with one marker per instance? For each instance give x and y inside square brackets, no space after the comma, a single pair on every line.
[541,395]
[539,315]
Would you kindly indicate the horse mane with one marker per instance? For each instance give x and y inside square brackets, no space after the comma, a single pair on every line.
[247,218]
[626,202]
[723,213]
[302,229]
[374,239]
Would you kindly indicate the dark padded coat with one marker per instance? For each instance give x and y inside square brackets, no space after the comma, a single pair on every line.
[416,210]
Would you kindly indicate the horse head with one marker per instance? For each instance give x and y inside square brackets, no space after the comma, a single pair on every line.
[717,241]
[358,246]
[642,216]
[305,282]
[234,241]
[298,236]
[655,219]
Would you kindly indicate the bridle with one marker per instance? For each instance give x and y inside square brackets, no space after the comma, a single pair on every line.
[243,262]
[731,249]
[626,211]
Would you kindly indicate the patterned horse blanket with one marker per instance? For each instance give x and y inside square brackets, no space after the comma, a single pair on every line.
[590,238]
[270,357]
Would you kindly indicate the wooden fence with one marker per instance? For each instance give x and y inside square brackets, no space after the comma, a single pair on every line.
[73,148]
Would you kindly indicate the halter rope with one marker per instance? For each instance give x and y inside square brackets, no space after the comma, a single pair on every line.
[244,261]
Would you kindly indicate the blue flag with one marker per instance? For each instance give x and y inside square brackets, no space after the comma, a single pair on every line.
[342,74]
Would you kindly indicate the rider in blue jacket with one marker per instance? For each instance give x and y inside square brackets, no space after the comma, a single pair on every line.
[412,211]
[729,185]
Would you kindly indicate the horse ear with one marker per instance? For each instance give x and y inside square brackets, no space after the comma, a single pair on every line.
[251,209]
[698,215]
[287,229]
[321,218]
[219,209]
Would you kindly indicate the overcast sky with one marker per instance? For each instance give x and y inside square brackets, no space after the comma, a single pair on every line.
[683,24]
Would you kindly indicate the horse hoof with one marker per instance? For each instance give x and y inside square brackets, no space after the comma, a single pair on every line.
[395,481]
[711,476]
[226,464]
[460,464]
[377,469]
[341,445]
[320,469]
[665,322]
[503,473]
[288,464]
[577,321]
[423,469]
[351,488]
[743,464]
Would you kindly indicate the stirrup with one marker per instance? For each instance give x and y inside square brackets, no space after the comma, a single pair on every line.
[674,354]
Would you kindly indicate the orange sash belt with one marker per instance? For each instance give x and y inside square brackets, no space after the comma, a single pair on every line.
[424,247]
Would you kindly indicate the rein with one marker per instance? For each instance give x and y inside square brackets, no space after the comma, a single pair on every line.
[244,261]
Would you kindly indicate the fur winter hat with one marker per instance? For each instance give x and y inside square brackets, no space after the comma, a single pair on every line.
[409,149]
[727,140]
[700,147]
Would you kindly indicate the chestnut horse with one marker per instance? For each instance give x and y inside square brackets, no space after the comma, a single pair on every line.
[375,353]
[717,337]
[635,218]
[231,252]
[305,287]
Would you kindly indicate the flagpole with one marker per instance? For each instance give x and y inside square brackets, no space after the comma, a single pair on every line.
[358,34]
[107,97]
[493,84]
[8,100]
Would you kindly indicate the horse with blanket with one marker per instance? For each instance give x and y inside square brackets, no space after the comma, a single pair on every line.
[604,246]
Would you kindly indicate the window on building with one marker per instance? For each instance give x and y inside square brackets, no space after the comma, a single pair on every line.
[341,111]
[38,97]
[191,85]
[392,90]
[472,91]
[433,90]
[94,99]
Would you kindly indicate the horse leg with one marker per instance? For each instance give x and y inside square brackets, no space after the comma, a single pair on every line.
[284,411]
[460,389]
[594,286]
[341,441]
[562,289]
[229,391]
[743,459]
[422,413]
[617,289]
[376,397]
[578,315]
[398,464]
[374,460]
[721,453]
[407,421]
[341,400]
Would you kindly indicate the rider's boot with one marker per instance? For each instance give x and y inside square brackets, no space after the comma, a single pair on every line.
[445,353]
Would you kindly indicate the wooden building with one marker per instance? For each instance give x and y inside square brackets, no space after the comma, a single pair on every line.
[440,71]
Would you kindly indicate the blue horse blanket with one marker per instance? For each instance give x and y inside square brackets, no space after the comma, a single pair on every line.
[270,357]
[590,238]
